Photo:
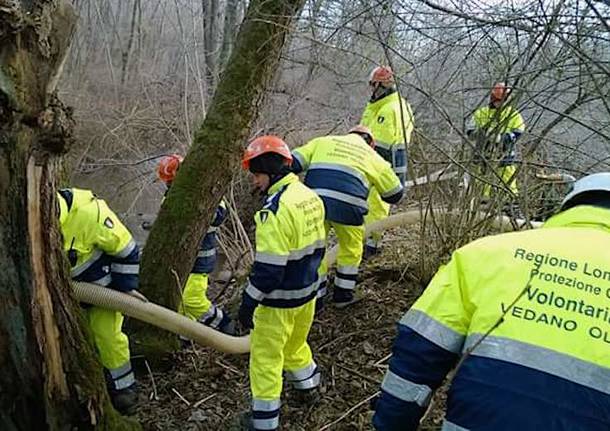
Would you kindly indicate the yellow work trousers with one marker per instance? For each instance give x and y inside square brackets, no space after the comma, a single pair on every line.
[278,343]
[378,210]
[195,303]
[349,240]
[507,174]
[112,344]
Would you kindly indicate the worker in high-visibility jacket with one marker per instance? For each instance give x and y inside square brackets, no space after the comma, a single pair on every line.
[279,299]
[390,118]
[342,170]
[101,251]
[528,313]
[498,126]
[195,304]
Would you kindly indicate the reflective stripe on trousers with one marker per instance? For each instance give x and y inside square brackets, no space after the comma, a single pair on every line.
[304,378]
[122,377]
[346,277]
[278,343]
[322,289]
[212,318]
[349,256]
[266,414]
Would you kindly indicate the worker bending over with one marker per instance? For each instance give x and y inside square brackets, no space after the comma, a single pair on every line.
[342,170]
[101,251]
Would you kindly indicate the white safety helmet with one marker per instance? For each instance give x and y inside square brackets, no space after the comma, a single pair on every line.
[591,183]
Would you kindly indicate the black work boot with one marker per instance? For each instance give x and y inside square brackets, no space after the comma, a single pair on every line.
[125,400]
[343,298]
[243,422]
[305,397]
[370,251]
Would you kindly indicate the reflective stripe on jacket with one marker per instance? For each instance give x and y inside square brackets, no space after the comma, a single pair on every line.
[101,249]
[392,136]
[206,256]
[341,170]
[545,366]
[290,244]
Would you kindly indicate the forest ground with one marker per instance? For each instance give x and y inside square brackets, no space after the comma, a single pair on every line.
[204,390]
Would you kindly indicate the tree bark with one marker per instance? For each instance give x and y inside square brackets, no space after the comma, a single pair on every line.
[49,375]
[214,156]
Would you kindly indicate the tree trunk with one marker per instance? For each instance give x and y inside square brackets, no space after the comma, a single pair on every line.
[49,375]
[213,158]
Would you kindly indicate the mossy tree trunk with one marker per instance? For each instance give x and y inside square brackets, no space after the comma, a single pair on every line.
[49,375]
[212,160]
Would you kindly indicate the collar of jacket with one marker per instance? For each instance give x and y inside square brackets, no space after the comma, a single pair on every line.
[284,181]
[582,216]
[387,96]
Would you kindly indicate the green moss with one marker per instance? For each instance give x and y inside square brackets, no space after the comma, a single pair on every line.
[6,86]
[154,344]
[113,421]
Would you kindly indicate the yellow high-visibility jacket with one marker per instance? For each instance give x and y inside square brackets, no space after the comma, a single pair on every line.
[290,244]
[341,170]
[100,248]
[504,126]
[544,366]
[392,136]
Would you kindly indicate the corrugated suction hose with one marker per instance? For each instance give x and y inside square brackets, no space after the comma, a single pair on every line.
[160,317]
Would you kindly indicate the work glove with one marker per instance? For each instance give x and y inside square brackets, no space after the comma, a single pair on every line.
[246,311]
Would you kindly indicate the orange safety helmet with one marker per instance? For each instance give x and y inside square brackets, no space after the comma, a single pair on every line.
[266,144]
[365,132]
[382,75]
[500,92]
[168,167]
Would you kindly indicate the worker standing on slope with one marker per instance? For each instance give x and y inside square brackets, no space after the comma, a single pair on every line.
[101,251]
[390,119]
[195,304]
[279,300]
[342,170]
[497,127]
[544,363]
